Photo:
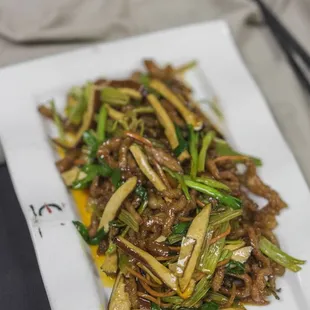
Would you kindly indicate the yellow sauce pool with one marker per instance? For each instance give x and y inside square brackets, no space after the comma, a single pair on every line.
[80,198]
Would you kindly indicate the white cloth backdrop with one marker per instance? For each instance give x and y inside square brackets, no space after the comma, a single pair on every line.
[33,28]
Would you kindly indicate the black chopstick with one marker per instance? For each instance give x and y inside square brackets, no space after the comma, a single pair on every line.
[288,43]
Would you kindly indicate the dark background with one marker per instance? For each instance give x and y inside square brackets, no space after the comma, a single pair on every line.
[21,285]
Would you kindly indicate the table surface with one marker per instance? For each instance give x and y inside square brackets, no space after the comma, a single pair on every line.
[20,281]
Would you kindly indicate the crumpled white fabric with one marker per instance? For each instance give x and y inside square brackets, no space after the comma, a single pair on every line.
[33,28]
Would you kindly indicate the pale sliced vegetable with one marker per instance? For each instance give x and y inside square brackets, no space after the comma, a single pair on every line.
[196,231]
[110,265]
[242,255]
[232,246]
[205,247]
[73,174]
[150,273]
[143,110]
[189,117]
[145,167]
[167,123]
[135,94]
[161,238]
[189,290]
[114,114]
[149,261]
[114,96]
[119,299]
[115,202]
[187,248]
[172,267]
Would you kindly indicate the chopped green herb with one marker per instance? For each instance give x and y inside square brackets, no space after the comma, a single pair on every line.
[235,267]
[183,144]
[102,124]
[181,228]
[141,192]
[116,178]
[81,228]
[92,144]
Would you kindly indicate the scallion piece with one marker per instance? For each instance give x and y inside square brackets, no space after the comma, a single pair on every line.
[102,124]
[129,220]
[225,199]
[206,141]
[193,149]
[280,257]
[210,182]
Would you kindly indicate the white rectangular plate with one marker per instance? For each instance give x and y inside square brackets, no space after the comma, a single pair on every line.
[68,273]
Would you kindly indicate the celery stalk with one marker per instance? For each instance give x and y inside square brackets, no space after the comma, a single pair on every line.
[280,257]
[214,252]
[224,216]
[129,220]
[113,96]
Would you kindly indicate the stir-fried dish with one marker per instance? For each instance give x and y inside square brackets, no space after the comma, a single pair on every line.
[170,199]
